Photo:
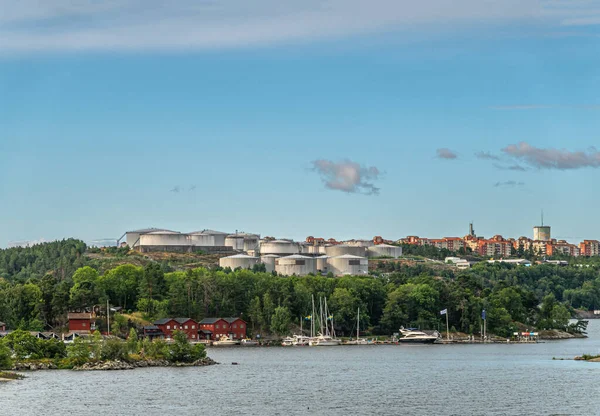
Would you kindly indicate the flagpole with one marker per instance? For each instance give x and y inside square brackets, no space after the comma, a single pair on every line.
[447,327]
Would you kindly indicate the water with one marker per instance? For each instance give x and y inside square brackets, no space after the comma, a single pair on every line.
[383,380]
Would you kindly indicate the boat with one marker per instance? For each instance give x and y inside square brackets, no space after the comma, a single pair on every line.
[287,342]
[300,340]
[249,342]
[225,342]
[415,336]
[326,336]
[358,340]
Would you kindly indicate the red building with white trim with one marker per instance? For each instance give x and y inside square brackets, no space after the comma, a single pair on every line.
[80,322]
[168,325]
[215,328]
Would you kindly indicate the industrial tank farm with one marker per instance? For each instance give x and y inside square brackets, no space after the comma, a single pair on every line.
[295,265]
[269,261]
[243,261]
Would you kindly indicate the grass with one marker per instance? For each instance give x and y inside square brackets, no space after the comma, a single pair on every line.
[7,375]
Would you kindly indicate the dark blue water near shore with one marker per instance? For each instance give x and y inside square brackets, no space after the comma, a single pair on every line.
[383,380]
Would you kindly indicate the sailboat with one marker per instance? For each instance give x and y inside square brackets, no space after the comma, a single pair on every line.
[326,336]
[358,340]
[300,340]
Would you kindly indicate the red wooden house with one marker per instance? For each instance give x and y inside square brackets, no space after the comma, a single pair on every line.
[215,328]
[168,325]
[2,326]
[80,322]
[237,327]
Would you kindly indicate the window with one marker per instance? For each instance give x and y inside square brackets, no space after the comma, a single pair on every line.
[193,336]
[235,326]
[217,326]
[168,326]
[242,326]
[83,324]
[193,326]
[186,327]
[300,262]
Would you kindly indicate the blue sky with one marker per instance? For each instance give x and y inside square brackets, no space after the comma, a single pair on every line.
[107,109]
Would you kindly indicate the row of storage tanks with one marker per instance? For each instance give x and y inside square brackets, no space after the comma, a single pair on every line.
[340,260]
[205,238]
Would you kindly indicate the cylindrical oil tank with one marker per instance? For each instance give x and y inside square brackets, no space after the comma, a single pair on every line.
[133,237]
[235,241]
[322,265]
[164,238]
[385,250]
[217,238]
[348,264]
[279,247]
[251,242]
[341,249]
[239,260]
[269,261]
[200,239]
[295,265]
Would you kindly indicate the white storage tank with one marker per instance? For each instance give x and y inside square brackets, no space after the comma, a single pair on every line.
[348,264]
[269,261]
[359,243]
[235,241]
[385,250]
[133,237]
[295,265]
[322,265]
[164,238]
[342,249]
[239,260]
[208,238]
[279,247]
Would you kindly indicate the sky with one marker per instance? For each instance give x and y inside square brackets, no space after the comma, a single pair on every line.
[331,118]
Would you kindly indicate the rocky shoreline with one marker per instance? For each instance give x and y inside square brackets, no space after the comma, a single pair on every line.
[112,365]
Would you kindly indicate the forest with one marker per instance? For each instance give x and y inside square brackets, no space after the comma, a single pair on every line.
[39,285]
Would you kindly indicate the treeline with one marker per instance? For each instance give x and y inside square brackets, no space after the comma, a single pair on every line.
[515,297]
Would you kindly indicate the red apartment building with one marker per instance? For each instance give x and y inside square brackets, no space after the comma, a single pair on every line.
[562,247]
[589,248]
[495,246]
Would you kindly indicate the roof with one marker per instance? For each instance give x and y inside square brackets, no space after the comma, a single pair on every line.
[2,323]
[151,328]
[210,320]
[209,232]
[242,235]
[146,230]
[349,256]
[279,242]
[206,331]
[386,245]
[230,320]
[165,320]
[270,256]
[164,232]
[74,315]
[297,256]
[183,320]
[240,256]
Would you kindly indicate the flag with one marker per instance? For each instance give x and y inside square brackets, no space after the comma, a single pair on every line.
[308,318]
[444,312]
[330,317]
[483,314]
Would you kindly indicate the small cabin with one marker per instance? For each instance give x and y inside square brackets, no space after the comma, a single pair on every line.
[80,322]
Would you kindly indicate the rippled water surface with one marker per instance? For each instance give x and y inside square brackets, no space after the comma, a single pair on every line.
[384,380]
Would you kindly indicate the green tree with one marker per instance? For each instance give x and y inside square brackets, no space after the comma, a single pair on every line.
[6,361]
[85,291]
[280,321]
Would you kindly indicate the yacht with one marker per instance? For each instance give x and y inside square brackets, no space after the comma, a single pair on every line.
[324,341]
[225,342]
[249,343]
[325,338]
[358,340]
[415,336]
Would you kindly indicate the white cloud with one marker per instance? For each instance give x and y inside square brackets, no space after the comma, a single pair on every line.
[73,25]
[444,153]
[347,176]
[550,158]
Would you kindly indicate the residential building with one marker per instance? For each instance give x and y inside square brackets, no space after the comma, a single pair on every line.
[589,248]
[561,247]
[153,332]
[237,327]
[2,326]
[496,246]
[214,328]
[169,325]
[80,322]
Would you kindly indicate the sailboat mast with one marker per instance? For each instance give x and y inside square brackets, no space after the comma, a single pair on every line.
[357,323]
[312,318]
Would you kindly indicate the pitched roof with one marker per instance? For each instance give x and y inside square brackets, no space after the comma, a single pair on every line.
[210,320]
[77,315]
[2,323]
[231,320]
[162,321]
[183,320]
[151,328]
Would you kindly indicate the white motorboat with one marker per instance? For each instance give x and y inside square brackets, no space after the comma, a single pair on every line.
[249,343]
[324,341]
[417,337]
[287,342]
[225,342]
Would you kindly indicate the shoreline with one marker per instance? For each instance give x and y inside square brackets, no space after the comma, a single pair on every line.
[110,365]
